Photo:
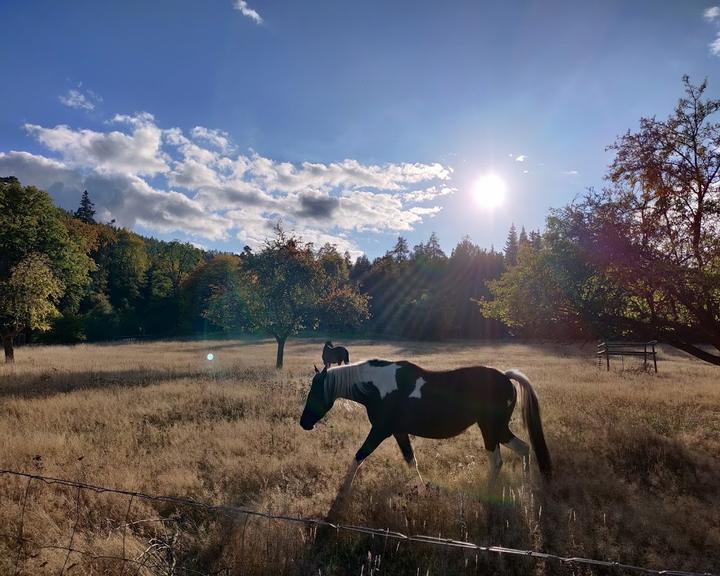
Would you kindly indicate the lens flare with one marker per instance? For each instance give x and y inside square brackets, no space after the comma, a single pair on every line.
[489,191]
[211,356]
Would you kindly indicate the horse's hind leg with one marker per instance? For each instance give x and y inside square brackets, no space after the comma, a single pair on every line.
[403,441]
[495,431]
[492,445]
[520,448]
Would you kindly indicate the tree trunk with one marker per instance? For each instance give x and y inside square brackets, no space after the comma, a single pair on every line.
[9,350]
[280,351]
[697,352]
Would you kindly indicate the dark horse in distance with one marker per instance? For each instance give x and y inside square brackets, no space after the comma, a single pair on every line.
[334,355]
[402,399]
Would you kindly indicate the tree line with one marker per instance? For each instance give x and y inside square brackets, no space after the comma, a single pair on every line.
[65,278]
[639,258]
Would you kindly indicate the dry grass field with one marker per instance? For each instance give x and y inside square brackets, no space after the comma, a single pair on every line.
[636,457]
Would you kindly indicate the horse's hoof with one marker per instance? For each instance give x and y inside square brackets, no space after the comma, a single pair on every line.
[416,486]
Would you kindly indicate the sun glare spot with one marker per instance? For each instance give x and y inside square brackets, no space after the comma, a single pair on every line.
[489,191]
[211,356]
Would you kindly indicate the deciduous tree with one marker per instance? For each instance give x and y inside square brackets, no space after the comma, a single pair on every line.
[282,290]
[655,230]
[28,299]
[35,248]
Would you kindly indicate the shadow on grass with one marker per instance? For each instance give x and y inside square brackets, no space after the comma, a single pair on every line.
[52,382]
[484,515]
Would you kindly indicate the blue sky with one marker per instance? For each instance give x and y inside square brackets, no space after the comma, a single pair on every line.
[354,122]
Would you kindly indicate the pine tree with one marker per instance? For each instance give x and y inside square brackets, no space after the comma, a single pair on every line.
[400,252]
[511,246]
[86,211]
[535,239]
[523,238]
[430,250]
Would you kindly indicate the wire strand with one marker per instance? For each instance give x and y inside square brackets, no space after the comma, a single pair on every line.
[315,522]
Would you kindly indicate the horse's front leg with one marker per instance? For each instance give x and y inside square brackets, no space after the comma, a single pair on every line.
[374,439]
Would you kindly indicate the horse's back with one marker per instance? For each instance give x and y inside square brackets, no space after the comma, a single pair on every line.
[444,403]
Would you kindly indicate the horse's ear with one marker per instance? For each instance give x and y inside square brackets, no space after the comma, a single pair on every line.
[316,370]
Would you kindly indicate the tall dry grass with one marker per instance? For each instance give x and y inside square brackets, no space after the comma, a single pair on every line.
[636,456]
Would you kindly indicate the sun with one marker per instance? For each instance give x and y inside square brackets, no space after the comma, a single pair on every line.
[489,191]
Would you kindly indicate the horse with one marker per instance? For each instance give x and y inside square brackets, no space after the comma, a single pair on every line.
[403,399]
[336,355]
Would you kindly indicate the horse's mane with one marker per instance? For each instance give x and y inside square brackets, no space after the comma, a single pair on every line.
[341,378]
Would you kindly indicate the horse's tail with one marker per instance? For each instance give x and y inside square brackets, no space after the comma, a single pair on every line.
[531,419]
[347,356]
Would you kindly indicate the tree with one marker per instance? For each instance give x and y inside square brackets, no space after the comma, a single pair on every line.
[282,290]
[333,263]
[360,270]
[553,291]
[208,279]
[400,251]
[429,251]
[535,239]
[176,261]
[27,299]
[127,263]
[523,238]
[86,211]
[35,247]
[511,246]
[655,230]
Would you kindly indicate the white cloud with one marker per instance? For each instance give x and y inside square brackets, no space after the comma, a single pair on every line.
[245,10]
[712,13]
[164,180]
[137,119]
[64,183]
[365,211]
[715,46]
[77,98]
[138,153]
[126,198]
[521,158]
[287,177]
[217,138]
[570,172]
[427,194]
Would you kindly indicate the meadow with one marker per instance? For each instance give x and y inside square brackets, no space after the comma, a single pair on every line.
[637,474]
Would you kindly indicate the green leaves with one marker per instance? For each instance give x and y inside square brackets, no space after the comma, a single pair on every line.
[286,288]
[42,266]
[29,296]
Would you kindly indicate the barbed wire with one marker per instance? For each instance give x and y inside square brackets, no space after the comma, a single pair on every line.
[234,511]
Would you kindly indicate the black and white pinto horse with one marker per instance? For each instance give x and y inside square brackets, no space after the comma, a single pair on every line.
[403,399]
[334,355]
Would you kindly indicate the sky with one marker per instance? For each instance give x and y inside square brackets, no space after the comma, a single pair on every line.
[352,122]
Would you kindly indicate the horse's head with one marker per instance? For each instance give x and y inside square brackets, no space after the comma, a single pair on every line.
[328,344]
[316,405]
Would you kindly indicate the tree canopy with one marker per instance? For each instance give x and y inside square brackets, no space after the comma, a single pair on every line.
[41,265]
[285,289]
[641,257]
